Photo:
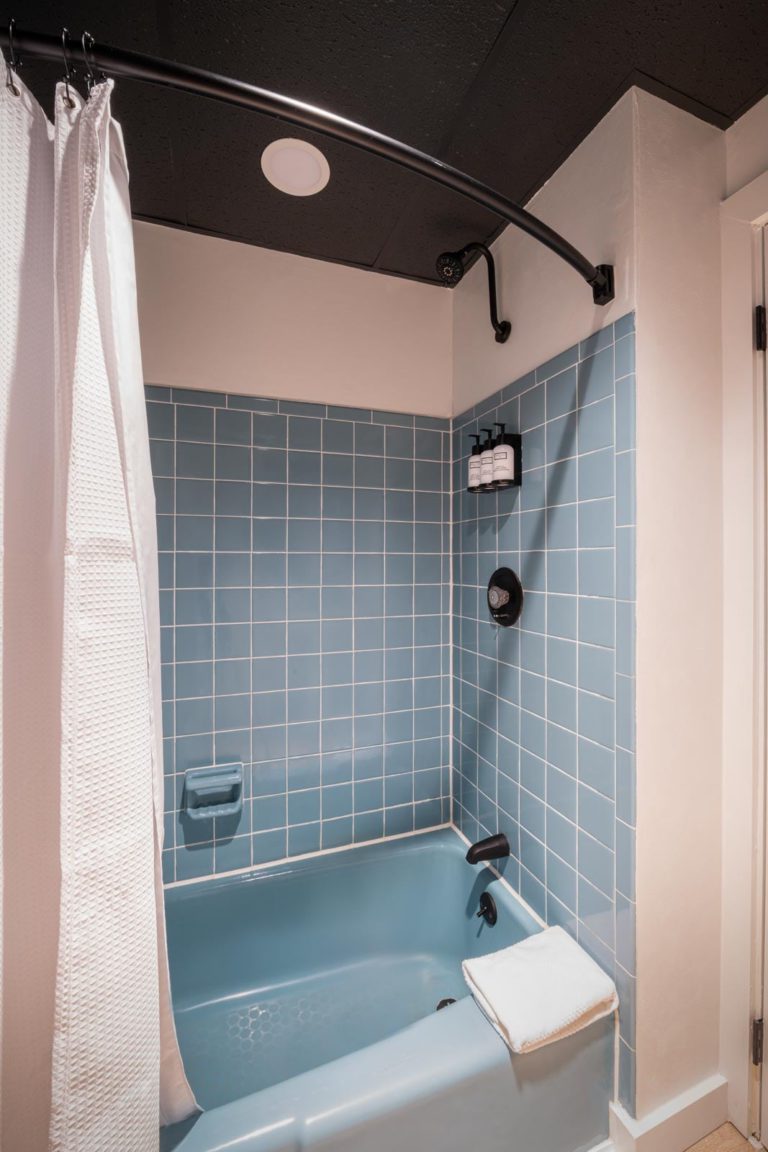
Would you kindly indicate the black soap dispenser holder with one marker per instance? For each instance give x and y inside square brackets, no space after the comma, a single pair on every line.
[496,463]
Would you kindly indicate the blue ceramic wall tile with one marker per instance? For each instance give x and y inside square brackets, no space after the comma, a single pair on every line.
[232,426]
[625,414]
[596,342]
[596,670]
[264,535]
[596,523]
[597,621]
[596,864]
[597,719]
[560,393]
[597,766]
[557,364]
[596,375]
[596,471]
[627,1077]
[568,727]
[157,392]
[625,786]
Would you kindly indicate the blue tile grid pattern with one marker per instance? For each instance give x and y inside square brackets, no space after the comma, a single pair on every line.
[305,584]
[543,729]
[323,576]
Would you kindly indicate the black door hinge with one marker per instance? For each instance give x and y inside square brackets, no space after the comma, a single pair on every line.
[757,1041]
[761,342]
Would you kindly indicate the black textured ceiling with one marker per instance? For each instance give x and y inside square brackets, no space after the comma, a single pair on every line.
[504,89]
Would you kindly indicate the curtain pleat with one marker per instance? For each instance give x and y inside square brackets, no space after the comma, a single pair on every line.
[105,1058]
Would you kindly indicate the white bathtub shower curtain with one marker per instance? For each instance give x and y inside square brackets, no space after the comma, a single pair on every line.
[89,1053]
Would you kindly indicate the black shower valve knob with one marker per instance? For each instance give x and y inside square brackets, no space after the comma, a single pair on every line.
[505,597]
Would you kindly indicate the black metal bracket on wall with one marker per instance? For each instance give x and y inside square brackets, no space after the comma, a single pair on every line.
[169,74]
[450,268]
[603,290]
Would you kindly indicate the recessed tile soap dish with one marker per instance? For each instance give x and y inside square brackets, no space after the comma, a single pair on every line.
[214,791]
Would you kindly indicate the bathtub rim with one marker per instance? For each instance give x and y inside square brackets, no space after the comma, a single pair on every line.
[441,835]
[321,852]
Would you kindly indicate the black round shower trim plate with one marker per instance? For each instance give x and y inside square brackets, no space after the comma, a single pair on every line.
[505,597]
[487,910]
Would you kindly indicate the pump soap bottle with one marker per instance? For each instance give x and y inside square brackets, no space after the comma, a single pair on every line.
[507,454]
[473,471]
[486,462]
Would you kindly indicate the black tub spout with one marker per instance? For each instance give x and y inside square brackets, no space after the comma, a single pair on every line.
[492,848]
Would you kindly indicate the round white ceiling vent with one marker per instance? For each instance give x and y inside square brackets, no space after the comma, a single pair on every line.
[295,167]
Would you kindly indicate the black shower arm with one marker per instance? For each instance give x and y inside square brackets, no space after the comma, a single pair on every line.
[168,74]
[502,328]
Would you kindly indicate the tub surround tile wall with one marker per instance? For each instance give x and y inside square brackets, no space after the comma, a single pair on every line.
[543,726]
[305,556]
[304,576]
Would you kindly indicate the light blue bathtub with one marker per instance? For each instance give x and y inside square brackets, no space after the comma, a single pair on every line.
[305,999]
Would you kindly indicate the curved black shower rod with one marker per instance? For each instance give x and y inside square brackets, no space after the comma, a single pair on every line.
[168,74]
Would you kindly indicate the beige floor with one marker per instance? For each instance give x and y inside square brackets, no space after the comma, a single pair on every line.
[725,1139]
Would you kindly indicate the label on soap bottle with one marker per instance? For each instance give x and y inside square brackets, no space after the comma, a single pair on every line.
[473,477]
[503,462]
[486,467]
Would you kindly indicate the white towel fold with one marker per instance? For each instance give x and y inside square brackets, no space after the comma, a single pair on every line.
[540,990]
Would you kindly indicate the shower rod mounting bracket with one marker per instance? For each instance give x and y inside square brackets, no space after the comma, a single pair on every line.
[94,57]
[603,290]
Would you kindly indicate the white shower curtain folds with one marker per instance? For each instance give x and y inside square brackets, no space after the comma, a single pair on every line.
[89,1053]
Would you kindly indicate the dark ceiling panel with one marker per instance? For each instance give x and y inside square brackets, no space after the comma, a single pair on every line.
[404,67]
[401,66]
[435,220]
[348,222]
[711,50]
[504,89]
[561,74]
[150,119]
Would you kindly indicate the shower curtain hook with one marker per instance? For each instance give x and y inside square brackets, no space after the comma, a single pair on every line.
[13,63]
[68,72]
[87,43]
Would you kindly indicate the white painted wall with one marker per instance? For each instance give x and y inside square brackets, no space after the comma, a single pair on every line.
[747,147]
[679,180]
[589,200]
[228,317]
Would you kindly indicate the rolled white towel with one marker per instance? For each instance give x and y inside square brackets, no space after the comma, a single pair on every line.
[540,990]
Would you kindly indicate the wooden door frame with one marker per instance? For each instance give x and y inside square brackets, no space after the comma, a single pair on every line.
[743,216]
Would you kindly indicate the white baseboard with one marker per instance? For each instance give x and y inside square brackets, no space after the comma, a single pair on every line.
[677,1124]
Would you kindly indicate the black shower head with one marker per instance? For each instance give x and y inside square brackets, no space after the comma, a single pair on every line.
[450,266]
